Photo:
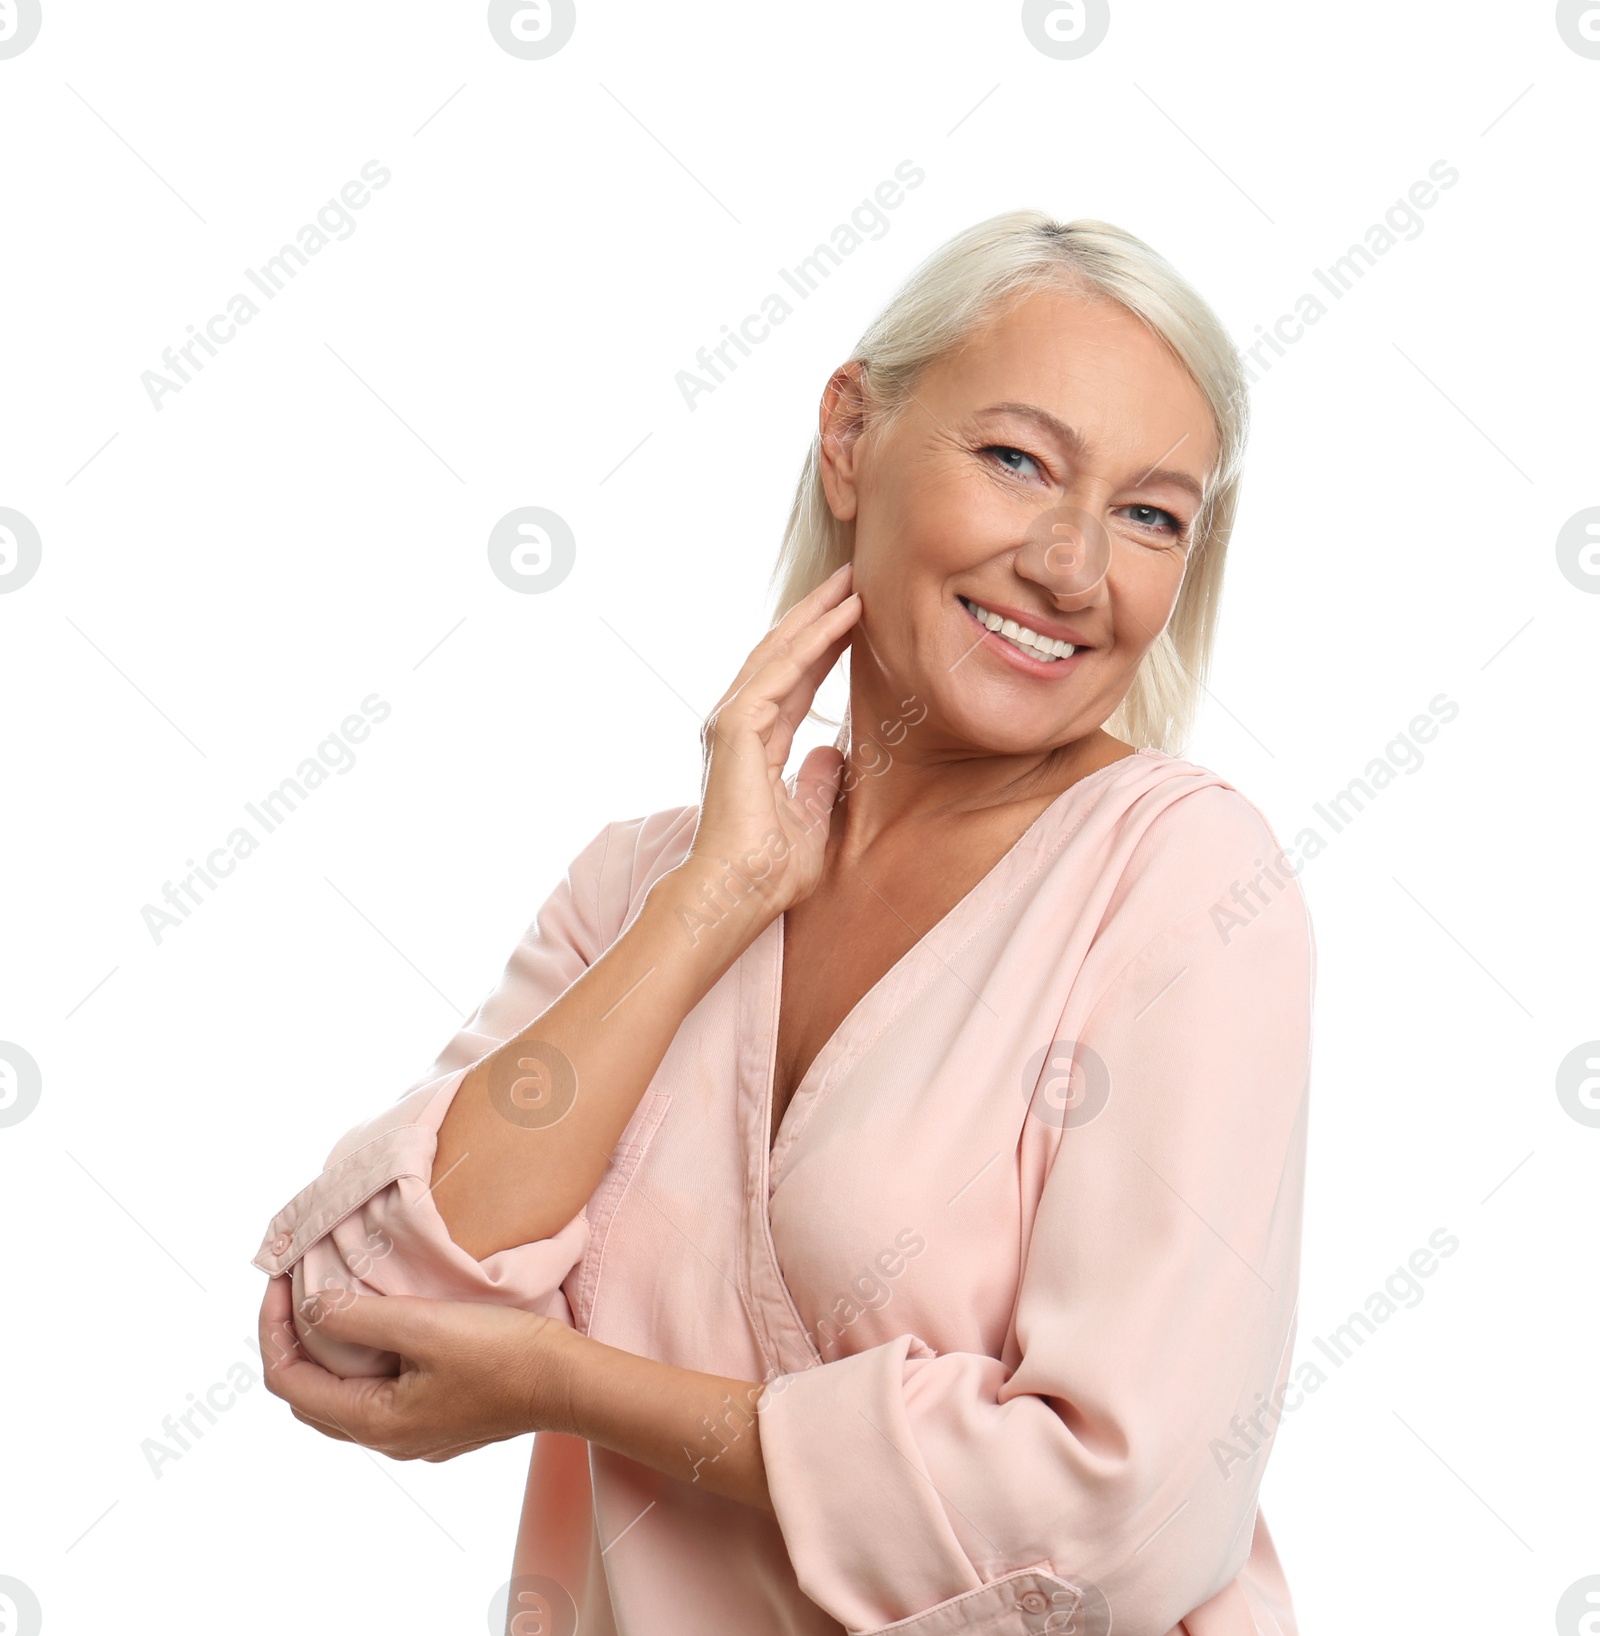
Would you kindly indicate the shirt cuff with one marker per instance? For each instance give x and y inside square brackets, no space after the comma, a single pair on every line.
[858,1552]
[341,1188]
[1032,1601]
[368,1224]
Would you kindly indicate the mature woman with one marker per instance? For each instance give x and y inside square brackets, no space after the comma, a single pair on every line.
[909,1153]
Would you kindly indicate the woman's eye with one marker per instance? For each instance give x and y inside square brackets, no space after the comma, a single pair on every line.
[1154,519]
[1003,453]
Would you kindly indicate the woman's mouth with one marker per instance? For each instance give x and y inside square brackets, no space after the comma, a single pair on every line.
[1042,649]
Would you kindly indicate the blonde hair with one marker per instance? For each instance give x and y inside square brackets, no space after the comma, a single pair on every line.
[960,287]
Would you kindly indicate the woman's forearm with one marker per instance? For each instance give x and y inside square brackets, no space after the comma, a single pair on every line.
[530,1130]
[696,1427]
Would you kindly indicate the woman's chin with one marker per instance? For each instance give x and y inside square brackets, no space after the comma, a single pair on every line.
[1003,725]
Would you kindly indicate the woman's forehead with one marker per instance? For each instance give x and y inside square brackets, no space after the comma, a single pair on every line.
[1126,391]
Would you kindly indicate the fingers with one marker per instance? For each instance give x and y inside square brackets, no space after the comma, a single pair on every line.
[390,1323]
[394,1451]
[793,707]
[802,646]
[773,691]
[813,605]
[355,1406]
[816,783]
[816,603]
[343,1409]
[322,1426]
[788,677]
[275,1331]
[462,1448]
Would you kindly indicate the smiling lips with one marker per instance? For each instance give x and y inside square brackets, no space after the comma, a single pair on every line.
[1048,650]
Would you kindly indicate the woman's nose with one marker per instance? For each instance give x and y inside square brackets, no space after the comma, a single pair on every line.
[1067,550]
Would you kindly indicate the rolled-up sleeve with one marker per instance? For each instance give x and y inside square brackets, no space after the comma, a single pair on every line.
[1106,1475]
[368,1223]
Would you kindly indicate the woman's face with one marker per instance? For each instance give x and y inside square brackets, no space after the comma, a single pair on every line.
[1049,472]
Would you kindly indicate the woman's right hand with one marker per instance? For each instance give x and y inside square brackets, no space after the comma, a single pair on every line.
[752,824]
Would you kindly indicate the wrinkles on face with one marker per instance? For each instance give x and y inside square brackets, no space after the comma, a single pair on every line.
[1053,468]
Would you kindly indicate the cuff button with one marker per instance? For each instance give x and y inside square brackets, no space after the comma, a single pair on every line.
[281,1243]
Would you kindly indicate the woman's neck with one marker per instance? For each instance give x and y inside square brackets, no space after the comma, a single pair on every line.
[895,775]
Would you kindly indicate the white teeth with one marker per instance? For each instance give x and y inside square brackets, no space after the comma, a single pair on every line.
[1041,647]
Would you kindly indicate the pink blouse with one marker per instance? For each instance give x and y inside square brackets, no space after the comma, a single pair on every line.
[1019,1273]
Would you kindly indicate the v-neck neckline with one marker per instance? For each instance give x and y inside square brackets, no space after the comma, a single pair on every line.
[982,897]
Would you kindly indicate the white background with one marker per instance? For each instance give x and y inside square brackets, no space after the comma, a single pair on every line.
[304,524]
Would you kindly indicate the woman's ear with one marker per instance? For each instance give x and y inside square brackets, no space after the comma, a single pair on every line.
[842,419]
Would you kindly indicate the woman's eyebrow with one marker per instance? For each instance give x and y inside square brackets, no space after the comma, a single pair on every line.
[1073,439]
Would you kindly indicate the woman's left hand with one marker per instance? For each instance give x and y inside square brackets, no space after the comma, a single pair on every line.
[471,1373]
